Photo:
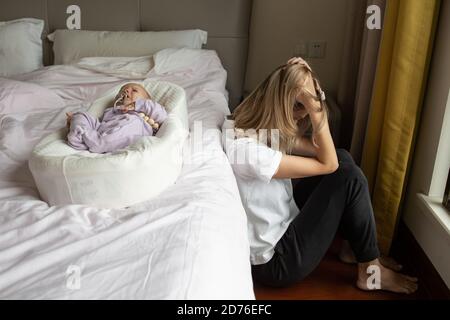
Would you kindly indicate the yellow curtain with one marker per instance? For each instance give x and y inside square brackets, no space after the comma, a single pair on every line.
[400,79]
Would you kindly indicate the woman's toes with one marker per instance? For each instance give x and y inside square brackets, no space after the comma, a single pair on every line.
[409,278]
[401,283]
[412,287]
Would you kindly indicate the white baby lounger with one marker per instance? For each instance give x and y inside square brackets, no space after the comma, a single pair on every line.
[64,175]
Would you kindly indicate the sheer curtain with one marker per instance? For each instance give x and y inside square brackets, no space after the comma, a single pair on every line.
[367,67]
[357,73]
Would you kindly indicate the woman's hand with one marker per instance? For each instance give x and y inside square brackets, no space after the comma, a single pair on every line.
[307,96]
[298,60]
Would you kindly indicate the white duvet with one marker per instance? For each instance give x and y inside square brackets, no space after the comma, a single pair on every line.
[188,243]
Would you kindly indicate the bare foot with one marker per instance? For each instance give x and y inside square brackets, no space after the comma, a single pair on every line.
[69,119]
[346,255]
[390,263]
[389,280]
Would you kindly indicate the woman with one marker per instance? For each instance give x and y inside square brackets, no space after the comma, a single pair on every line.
[291,230]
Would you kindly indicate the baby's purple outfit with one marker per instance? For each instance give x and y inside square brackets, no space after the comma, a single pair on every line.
[116,130]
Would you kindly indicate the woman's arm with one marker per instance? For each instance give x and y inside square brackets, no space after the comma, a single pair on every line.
[295,167]
[304,147]
[325,160]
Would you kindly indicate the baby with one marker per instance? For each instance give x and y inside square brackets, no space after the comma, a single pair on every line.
[133,116]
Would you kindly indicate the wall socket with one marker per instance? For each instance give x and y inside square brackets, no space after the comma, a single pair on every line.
[317,49]
[310,49]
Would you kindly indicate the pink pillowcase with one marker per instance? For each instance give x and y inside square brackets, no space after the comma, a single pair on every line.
[19,96]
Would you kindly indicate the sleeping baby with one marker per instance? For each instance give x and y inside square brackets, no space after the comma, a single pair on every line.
[133,116]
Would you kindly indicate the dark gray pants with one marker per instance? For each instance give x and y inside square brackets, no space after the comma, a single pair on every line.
[328,203]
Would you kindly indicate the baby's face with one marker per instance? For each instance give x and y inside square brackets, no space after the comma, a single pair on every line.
[132,92]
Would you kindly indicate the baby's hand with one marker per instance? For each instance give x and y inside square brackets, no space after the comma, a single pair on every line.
[69,116]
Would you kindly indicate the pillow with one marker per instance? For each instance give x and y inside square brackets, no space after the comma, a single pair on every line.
[19,96]
[181,60]
[120,67]
[71,45]
[20,46]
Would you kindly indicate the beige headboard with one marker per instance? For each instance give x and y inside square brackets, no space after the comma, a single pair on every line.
[227,23]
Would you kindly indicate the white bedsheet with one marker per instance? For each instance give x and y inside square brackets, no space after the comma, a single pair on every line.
[189,243]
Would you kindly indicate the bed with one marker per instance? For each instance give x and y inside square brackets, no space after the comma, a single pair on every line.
[190,242]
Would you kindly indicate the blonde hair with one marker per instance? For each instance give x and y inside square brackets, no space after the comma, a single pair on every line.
[271,105]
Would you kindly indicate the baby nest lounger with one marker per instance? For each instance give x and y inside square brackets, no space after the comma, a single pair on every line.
[64,175]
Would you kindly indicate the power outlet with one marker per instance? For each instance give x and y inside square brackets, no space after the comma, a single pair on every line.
[317,49]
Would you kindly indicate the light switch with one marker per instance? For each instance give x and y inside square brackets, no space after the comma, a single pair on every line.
[301,50]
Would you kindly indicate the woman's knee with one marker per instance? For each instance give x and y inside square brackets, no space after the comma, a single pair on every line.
[351,171]
[344,156]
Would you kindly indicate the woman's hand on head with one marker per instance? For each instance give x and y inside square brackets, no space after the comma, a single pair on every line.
[299,61]
[307,95]
[296,60]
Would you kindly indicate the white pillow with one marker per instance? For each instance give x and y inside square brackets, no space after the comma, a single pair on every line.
[121,67]
[71,45]
[19,96]
[181,60]
[20,46]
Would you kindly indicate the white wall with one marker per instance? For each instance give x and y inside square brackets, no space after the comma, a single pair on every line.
[432,155]
[278,25]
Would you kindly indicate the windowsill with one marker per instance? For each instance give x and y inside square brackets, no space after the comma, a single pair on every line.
[434,206]
[429,223]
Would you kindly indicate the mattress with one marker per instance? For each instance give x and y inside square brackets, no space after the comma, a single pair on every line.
[137,173]
[189,242]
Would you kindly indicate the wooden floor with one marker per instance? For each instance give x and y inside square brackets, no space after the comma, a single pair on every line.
[332,280]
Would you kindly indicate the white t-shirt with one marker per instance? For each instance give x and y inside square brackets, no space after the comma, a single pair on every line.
[268,202]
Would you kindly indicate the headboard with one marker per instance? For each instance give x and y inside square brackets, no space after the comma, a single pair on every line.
[227,23]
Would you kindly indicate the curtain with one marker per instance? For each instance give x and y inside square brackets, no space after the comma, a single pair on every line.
[400,80]
[349,68]
[366,76]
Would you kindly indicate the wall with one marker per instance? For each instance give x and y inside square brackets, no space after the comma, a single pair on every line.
[278,25]
[227,23]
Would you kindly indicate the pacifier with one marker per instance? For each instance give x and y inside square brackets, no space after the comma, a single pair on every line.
[120,99]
